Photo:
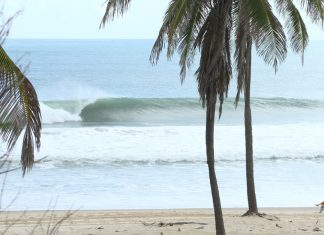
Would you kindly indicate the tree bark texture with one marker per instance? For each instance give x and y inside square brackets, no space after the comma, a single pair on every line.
[253,208]
[210,119]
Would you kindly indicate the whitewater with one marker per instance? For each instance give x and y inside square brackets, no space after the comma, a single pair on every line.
[129,135]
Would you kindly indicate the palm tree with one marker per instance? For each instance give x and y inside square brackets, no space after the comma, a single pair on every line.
[206,25]
[245,36]
[247,16]
[19,106]
[189,25]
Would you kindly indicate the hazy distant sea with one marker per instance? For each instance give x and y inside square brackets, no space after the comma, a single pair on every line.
[119,133]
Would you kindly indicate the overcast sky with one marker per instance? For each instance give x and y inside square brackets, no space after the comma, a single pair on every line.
[81,18]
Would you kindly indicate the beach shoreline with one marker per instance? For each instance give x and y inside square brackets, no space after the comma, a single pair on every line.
[171,221]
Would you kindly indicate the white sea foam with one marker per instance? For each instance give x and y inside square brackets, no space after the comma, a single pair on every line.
[95,146]
[117,164]
[52,115]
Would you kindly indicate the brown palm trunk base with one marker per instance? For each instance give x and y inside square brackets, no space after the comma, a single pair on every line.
[261,215]
[251,213]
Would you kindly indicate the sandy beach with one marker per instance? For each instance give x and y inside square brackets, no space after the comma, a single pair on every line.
[167,222]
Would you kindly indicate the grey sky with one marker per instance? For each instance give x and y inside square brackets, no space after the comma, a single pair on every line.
[80,19]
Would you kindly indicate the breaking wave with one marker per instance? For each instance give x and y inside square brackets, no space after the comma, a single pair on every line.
[158,110]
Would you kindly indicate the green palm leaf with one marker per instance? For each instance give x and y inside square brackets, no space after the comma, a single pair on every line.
[114,8]
[297,31]
[19,110]
[314,9]
[242,44]
[267,32]
[214,72]
[182,22]
[174,14]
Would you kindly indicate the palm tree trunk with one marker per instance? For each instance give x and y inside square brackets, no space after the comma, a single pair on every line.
[253,208]
[210,119]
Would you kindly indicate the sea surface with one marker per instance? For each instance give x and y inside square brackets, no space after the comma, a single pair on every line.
[119,133]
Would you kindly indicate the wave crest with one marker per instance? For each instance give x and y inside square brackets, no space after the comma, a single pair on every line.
[161,110]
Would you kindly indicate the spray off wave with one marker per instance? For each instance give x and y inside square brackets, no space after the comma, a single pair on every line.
[57,115]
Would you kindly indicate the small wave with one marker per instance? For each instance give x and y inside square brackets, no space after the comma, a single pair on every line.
[292,158]
[162,162]
[87,162]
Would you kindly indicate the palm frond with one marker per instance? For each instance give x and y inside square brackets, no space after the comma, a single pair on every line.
[314,10]
[214,72]
[114,8]
[297,30]
[187,35]
[173,15]
[178,10]
[243,43]
[267,32]
[182,22]
[6,25]
[19,110]
[199,24]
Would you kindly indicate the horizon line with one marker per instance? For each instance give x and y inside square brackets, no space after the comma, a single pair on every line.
[9,38]
[81,38]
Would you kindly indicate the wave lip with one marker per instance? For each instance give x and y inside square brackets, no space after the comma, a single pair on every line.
[147,110]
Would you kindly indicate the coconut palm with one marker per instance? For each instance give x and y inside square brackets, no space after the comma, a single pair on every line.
[245,35]
[267,32]
[206,25]
[19,107]
[189,25]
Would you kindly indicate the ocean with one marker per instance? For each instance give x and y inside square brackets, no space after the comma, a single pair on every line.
[119,133]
